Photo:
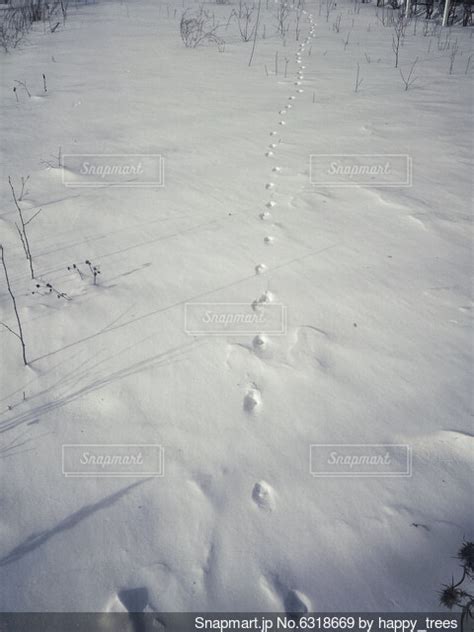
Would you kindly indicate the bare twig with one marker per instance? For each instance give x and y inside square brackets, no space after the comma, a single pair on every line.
[257,21]
[358,81]
[18,334]
[452,57]
[409,80]
[23,85]
[397,37]
[468,64]
[22,230]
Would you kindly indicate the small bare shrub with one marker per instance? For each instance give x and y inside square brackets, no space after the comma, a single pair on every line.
[199,28]
[409,80]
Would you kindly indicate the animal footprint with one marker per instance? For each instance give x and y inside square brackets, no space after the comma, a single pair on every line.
[263,496]
[266,297]
[252,399]
[296,602]
[129,600]
[134,599]
[259,342]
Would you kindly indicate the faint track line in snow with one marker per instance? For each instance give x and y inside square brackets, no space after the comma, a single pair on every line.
[109,233]
[96,383]
[23,387]
[188,299]
[139,245]
[63,380]
[107,327]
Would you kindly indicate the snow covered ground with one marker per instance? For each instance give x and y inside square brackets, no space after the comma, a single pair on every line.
[375,282]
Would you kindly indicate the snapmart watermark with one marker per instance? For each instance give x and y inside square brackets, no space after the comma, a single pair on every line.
[234,621]
[360,460]
[113,170]
[353,170]
[204,319]
[113,460]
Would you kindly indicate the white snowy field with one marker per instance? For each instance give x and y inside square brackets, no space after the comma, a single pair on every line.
[375,282]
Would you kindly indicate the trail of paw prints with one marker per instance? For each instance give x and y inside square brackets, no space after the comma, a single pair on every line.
[271,186]
[276,133]
[252,400]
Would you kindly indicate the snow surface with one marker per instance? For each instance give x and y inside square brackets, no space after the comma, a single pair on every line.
[376,282]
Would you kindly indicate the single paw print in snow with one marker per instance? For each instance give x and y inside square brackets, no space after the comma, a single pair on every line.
[269,240]
[263,496]
[267,297]
[261,345]
[265,215]
[269,154]
[261,268]
[252,399]
[270,185]
[297,602]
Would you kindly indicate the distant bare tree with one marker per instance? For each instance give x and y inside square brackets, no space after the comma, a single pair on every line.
[283,12]
[246,22]
[398,35]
